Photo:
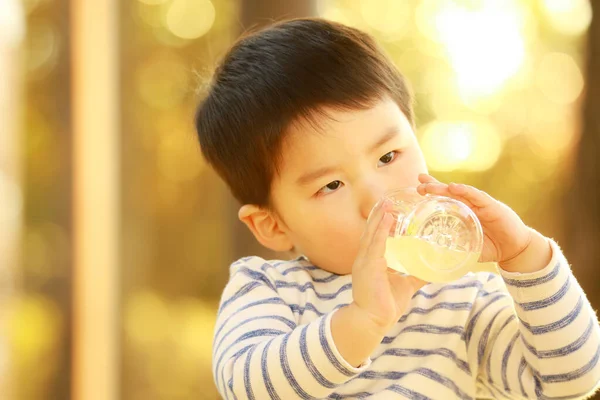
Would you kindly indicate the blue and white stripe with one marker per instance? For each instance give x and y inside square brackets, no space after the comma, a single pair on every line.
[518,336]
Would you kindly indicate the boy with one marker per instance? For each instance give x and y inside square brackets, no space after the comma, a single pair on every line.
[309,124]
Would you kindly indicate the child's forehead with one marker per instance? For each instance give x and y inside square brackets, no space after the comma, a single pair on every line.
[335,126]
[335,134]
[319,134]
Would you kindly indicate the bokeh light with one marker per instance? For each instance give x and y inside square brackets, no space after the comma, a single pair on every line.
[570,17]
[172,341]
[12,202]
[390,17]
[179,158]
[552,130]
[42,149]
[12,22]
[47,245]
[153,2]
[330,10]
[468,145]
[42,49]
[190,19]
[559,78]
[151,13]
[35,325]
[196,324]
[31,5]
[163,81]
[485,45]
[147,319]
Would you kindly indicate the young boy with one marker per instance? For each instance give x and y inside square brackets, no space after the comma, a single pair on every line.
[309,124]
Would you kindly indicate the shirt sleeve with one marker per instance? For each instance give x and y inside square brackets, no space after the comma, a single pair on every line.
[535,335]
[260,352]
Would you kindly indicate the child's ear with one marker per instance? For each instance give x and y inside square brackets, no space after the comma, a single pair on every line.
[265,227]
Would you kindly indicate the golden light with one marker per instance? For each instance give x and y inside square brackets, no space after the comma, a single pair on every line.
[328,10]
[166,37]
[571,17]
[514,111]
[12,22]
[552,128]
[12,205]
[153,2]
[190,19]
[484,41]
[468,146]
[147,319]
[559,78]
[168,196]
[425,17]
[179,158]
[197,321]
[47,246]
[31,5]
[484,46]
[34,328]
[151,14]
[390,17]
[441,89]
[163,81]
[553,143]
[42,49]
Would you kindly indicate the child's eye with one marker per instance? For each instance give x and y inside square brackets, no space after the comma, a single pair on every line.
[330,187]
[387,158]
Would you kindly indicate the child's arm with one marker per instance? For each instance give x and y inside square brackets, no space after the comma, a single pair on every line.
[259,352]
[548,349]
[552,347]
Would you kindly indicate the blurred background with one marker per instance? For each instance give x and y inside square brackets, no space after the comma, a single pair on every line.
[115,237]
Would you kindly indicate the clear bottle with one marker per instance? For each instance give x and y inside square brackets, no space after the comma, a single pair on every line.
[435,238]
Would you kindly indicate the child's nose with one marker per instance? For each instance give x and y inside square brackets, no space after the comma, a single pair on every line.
[369,199]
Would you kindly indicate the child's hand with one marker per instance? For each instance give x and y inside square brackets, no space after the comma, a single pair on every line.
[380,293]
[380,296]
[505,235]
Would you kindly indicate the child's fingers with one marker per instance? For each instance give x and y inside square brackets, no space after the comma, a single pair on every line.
[479,201]
[426,178]
[377,248]
[441,189]
[477,197]
[372,224]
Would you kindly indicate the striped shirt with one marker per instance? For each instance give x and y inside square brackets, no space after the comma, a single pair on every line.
[483,336]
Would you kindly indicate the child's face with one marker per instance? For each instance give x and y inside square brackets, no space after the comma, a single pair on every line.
[330,179]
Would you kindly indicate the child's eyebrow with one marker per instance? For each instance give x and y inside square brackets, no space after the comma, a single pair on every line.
[391,133]
[314,175]
[305,179]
